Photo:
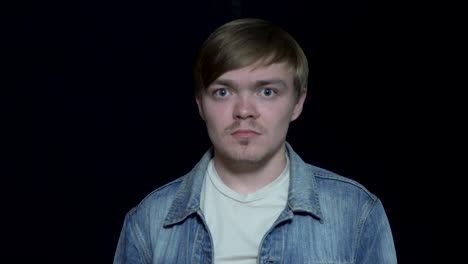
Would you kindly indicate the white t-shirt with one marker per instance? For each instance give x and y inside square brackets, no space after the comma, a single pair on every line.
[238,222]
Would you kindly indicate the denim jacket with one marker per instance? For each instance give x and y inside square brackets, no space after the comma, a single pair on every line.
[328,219]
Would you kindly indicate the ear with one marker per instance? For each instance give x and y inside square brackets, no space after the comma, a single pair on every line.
[299,105]
[200,107]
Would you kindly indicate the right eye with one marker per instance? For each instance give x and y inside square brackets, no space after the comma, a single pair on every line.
[221,92]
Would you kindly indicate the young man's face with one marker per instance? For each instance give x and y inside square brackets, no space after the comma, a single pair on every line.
[247,112]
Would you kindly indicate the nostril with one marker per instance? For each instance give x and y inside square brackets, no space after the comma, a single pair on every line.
[245,109]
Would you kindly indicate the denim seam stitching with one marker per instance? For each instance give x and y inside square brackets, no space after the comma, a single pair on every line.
[367,210]
[141,242]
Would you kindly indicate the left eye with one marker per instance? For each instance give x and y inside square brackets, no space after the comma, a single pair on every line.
[222,92]
[267,92]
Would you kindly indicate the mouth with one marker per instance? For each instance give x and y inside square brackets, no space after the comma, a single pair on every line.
[245,133]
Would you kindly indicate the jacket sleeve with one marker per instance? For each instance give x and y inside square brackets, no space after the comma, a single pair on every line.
[375,240]
[131,246]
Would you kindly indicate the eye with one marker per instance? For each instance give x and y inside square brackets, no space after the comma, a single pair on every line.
[221,92]
[268,92]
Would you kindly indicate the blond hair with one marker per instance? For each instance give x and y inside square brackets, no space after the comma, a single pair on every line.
[243,42]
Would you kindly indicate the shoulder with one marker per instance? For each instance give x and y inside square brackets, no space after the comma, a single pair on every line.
[156,204]
[308,177]
[165,192]
[336,183]
[338,192]
[175,195]
[342,198]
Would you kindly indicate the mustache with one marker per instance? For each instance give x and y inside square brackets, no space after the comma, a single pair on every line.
[250,125]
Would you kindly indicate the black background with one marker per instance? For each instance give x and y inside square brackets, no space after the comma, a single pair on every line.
[98,110]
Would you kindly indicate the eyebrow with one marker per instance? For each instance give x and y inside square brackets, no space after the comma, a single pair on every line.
[270,82]
[259,83]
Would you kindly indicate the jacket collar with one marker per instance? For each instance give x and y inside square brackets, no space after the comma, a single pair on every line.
[302,195]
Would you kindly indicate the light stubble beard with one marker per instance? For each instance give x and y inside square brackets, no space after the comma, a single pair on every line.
[242,156]
[251,124]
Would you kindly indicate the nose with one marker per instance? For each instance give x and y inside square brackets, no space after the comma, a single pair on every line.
[245,108]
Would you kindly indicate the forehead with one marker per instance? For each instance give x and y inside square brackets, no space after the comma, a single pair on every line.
[258,72]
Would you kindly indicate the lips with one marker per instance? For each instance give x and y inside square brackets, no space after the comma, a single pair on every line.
[245,133]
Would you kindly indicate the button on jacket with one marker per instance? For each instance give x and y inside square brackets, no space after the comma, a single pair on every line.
[328,219]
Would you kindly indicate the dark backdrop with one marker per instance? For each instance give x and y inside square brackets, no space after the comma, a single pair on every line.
[98,111]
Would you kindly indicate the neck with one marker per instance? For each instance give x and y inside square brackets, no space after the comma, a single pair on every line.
[246,176]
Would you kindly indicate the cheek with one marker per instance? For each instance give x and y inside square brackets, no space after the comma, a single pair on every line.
[215,118]
[278,116]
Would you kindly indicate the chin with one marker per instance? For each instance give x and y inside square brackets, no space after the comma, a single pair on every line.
[244,154]
[244,150]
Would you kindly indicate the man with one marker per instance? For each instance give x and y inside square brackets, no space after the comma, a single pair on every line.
[251,199]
